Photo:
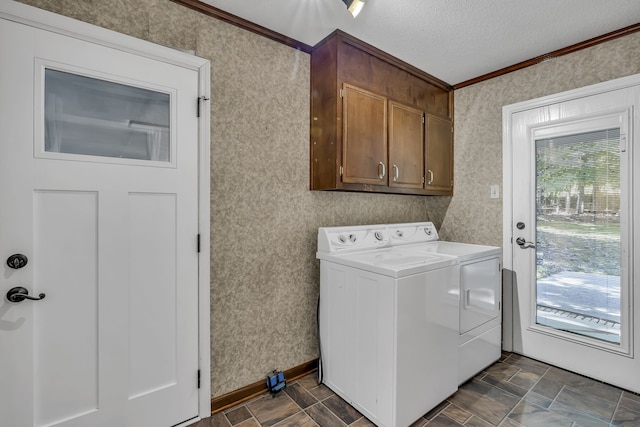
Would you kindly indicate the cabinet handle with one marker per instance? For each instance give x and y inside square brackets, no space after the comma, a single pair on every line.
[396,172]
[382,174]
[430,172]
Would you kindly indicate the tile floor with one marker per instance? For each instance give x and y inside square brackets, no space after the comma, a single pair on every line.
[514,392]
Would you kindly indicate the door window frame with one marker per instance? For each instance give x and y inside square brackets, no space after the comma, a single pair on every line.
[42,65]
[618,118]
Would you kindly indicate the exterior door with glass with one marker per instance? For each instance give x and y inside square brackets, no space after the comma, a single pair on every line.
[569,220]
[99,196]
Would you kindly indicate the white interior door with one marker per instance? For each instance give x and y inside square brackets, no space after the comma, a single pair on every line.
[569,229]
[99,190]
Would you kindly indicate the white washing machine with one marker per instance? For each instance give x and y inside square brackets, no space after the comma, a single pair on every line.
[480,276]
[388,322]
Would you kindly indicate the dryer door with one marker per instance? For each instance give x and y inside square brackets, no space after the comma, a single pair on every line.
[479,293]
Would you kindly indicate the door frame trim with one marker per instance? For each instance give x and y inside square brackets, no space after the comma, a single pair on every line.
[509,294]
[38,18]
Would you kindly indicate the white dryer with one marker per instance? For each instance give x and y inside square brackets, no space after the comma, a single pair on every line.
[388,323]
[480,277]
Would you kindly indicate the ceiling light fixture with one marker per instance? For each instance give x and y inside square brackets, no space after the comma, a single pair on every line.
[354,6]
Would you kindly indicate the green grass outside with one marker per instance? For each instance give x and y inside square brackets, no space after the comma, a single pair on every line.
[579,246]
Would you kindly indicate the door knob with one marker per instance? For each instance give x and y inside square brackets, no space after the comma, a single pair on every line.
[19,294]
[524,244]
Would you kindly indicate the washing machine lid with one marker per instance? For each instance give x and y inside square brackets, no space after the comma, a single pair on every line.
[464,251]
[393,262]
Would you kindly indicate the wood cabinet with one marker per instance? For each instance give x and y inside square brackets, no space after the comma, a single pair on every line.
[439,144]
[377,124]
[364,141]
[406,146]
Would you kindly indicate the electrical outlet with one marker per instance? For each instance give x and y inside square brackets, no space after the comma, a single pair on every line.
[495,192]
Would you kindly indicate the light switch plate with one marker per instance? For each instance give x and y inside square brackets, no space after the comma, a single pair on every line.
[495,192]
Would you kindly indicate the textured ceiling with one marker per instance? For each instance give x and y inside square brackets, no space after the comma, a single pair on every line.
[453,40]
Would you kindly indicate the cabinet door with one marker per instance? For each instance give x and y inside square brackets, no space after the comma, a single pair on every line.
[439,154]
[364,143]
[406,146]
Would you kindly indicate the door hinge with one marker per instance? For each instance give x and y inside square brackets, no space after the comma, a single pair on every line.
[199,101]
[423,119]
[198,378]
[198,243]
[423,179]
[341,170]
[341,93]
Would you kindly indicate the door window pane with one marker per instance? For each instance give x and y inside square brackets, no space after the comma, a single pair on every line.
[578,248]
[95,117]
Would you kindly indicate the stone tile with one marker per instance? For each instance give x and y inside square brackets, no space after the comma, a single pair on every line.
[477,422]
[218,420]
[564,377]
[555,398]
[502,371]
[631,396]
[526,364]
[420,422]
[342,409]
[547,388]
[308,382]
[271,410]
[630,401]
[202,423]
[321,392]
[525,379]
[249,423]
[581,418]
[323,416]
[443,421]
[601,391]
[508,422]
[538,399]
[238,415]
[487,402]
[456,414]
[297,420]
[590,404]
[532,415]
[625,417]
[505,385]
[435,411]
[363,422]
[584,384]
[300,395]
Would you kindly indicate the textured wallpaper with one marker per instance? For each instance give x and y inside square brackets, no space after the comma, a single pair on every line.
[473,216]
[264,219]
[264,275]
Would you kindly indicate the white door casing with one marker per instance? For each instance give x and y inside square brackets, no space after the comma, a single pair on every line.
[612,104]
[124,326]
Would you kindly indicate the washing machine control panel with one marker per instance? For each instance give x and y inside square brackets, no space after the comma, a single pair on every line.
[418,232]
[348,239]
[366,237]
